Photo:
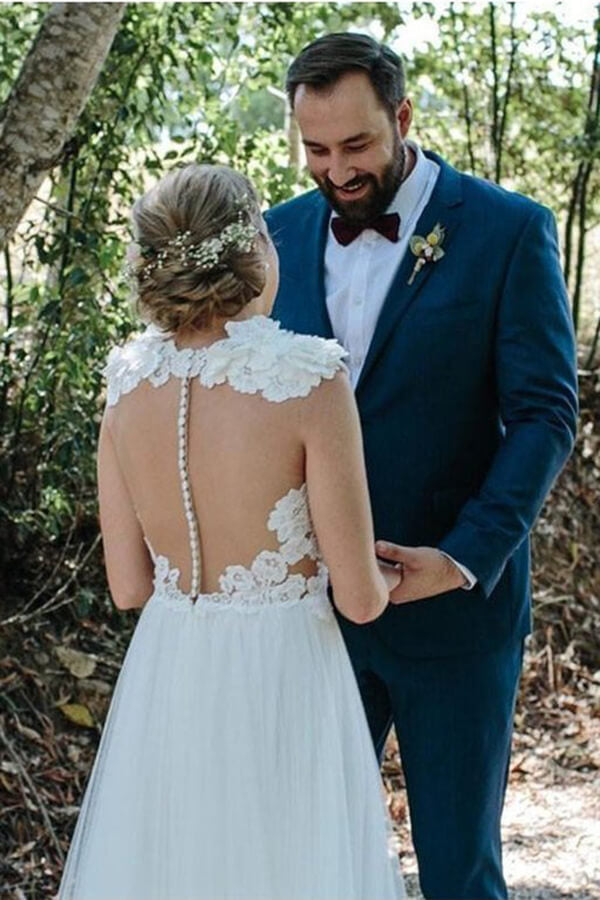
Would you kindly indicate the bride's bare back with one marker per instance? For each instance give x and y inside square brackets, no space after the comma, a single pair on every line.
[245,451]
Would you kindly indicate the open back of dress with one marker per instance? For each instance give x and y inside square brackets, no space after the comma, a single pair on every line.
[210,446]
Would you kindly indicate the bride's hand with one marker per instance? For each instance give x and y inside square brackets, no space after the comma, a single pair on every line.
[392,575]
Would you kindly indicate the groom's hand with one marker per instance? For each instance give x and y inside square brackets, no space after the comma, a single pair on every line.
[425,571]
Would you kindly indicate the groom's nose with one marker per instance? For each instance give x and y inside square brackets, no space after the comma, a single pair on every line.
[340,172]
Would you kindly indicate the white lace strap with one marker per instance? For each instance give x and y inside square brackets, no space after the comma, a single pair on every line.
[188,503]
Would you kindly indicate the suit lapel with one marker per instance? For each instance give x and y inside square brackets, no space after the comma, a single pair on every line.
[443,207]
[315,315]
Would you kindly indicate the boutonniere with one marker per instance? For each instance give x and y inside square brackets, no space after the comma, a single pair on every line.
[427,249]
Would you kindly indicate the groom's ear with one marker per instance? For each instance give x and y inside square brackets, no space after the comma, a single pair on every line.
[404,115]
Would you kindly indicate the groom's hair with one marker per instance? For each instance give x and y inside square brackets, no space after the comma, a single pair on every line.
[323,62]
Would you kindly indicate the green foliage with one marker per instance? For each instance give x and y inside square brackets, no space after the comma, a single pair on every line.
[193,81]
[19,23]
[545,92]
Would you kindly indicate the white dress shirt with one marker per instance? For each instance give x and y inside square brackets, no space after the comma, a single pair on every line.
[358,276]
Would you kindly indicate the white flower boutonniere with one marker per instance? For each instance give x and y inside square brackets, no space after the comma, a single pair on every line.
[427,249]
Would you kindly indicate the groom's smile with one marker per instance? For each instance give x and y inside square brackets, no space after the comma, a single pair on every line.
[354,148]
[351,192]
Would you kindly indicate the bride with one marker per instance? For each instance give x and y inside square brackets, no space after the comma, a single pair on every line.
[235,760]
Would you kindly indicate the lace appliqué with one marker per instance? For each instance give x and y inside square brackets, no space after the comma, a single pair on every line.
[293,590]
[148,357]
[257,356]
[290,519]
[260,357]
[267,583]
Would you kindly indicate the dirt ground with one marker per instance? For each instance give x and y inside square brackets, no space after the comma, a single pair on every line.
[551,822]
[551,837]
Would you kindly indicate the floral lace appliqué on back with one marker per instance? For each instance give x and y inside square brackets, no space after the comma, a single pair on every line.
[257,356]
[267,582]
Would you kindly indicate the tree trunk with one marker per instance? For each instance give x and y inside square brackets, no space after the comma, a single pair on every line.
[47,98]
[582,231]
[591,133]
[500,108]
[495,124]
[294,142]
[594,346]
[577,204]
[8,319]
[465,91]
[501,130]
[570,221]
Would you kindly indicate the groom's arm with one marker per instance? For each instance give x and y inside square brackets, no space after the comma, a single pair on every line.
[536,378]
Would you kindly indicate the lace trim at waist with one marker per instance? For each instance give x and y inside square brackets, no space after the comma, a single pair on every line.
[292,591]
[206,604]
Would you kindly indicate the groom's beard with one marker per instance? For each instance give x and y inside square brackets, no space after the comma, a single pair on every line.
[380,194]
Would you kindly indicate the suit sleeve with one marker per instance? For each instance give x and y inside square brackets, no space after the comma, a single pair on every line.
[536,382]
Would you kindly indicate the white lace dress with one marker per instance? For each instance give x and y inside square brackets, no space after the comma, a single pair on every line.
[235,760]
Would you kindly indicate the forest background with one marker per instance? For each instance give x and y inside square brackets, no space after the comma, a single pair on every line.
[507,91]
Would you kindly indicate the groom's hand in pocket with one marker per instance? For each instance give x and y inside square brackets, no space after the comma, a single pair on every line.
[425,571]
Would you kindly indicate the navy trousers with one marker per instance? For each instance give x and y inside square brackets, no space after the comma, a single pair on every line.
[453,718]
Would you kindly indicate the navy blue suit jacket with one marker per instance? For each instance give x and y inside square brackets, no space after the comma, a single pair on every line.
[467,397]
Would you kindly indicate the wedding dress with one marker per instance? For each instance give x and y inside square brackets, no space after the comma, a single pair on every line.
[235,760]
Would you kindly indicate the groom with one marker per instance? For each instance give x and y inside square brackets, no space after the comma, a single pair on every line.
[447,293]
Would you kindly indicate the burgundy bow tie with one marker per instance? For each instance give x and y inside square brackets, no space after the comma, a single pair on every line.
[345,232]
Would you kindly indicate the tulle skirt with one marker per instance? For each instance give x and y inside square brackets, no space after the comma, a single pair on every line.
[235,762]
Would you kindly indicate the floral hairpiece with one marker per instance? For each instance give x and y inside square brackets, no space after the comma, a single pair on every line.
[206,254]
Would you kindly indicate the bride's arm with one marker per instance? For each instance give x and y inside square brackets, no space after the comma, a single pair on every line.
[339,500]
[128,564]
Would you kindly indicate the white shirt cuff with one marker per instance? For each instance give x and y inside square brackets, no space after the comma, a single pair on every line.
[468,575]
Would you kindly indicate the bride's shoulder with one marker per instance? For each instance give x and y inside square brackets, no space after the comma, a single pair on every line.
[259,356]
[144,356]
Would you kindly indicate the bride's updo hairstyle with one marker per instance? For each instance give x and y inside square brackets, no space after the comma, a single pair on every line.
[200,250]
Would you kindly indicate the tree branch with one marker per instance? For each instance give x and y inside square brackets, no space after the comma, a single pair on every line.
[43,106]
[51,605]
[507,93]
[495,85]
[26,779]
[465,92]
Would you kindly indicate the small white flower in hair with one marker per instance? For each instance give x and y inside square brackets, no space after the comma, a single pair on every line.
[206,254]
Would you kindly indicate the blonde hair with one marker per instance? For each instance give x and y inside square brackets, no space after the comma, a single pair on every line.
[198,202]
